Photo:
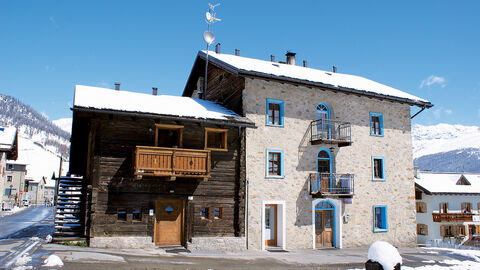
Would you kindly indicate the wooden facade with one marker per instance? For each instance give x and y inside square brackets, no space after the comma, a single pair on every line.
[129,174]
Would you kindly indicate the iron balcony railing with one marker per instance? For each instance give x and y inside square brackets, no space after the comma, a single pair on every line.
[331,184]
[330,131]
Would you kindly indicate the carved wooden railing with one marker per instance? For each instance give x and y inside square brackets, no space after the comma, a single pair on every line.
[171,162]
[330,131]
[452,217]
[331,184]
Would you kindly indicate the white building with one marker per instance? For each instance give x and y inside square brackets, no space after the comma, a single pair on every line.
[8,150]
[448,207]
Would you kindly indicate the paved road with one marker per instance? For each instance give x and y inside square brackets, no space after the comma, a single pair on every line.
[21,235]
[23,219]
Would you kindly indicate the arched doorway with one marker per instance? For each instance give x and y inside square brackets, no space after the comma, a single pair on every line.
[324,224]
[322,116]
[324,169]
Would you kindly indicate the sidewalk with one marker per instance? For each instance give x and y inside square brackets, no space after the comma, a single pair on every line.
[351,258]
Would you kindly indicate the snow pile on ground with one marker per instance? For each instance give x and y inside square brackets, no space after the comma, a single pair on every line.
[20,263]
[53,260]
[385,254]
[12,211]
[48,239]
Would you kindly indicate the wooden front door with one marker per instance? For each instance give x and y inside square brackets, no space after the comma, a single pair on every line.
[324,228]
[270,229]
[168,222]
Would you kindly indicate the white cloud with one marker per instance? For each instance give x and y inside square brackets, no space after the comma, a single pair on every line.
[442,112]
[432,80]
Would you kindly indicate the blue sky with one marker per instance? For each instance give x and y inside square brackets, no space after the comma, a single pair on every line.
[427,48]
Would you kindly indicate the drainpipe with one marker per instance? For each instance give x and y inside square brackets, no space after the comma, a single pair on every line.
[423,108]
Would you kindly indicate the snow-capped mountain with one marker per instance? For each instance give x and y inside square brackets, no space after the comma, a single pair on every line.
[447,148]
[64,124]
[41,143]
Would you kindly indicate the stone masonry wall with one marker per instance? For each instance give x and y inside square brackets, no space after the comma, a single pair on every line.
[397,192]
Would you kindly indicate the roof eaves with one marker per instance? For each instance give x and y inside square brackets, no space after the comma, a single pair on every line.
[240,121]
[423,189]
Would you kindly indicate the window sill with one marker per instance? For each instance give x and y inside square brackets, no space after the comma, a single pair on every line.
[378,230]
[274,176]
[375,135]
[272,125]
[378,180]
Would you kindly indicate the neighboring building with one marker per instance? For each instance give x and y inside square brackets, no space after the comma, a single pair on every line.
[448,207]
[330,163]
[8,150]
[15,183]
[49,194]
[36,189]
[157,170]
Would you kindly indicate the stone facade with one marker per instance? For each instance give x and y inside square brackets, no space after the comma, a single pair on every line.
[16,172]
[122,242]
[217,243]
[356,219]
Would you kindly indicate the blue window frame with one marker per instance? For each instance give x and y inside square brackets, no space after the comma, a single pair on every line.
[376,124]
[380,223]
[275,113]
[378,168]
[274,164]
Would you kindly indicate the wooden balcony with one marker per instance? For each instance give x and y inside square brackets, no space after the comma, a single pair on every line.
[330,131]
[452,217]
[331,184]
[171,162]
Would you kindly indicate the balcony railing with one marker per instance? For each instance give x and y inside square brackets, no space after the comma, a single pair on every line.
[171,162]
[330,131]
[452,217]
[331,184]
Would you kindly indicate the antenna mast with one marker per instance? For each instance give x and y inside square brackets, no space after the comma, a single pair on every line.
[209,38]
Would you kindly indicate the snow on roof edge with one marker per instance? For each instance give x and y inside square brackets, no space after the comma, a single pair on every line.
[408,98]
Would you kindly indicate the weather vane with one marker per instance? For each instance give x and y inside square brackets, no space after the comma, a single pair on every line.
[209,37]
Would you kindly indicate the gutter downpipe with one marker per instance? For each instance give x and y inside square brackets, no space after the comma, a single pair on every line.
[423,108]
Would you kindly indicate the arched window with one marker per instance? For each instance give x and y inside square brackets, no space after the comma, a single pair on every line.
[323,161]
[322,111]
[322,115]
[323,205]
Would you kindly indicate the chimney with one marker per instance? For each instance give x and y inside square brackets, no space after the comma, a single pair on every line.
[334,69]
[154,91]
[117,86]
[416,172]
[272,58]
[217,48]
[304,63]
[237,52]
[290,58]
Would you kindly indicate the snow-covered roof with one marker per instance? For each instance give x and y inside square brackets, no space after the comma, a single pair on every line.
[108,99]
[252,66]
[447,182]
[7,138]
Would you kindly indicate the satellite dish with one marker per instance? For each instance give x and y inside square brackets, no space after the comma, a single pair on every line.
[209,37]
[208,17]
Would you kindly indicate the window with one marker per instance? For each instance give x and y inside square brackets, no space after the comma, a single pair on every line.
[218,213]
[376,124]
[205,213]
[380,219]
[216,139]
[10,166]
[463,181]
[466,207]
[169,136]
[460,230]
[443,208]
[418,195]
[447,230]
[378,166]
[9,178]
[422,229]
[121,214]
[274,113]
[421,207]
[274,163]
[137,214]
[8,191]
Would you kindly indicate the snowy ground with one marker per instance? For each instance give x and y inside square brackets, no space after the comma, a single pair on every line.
[12,211]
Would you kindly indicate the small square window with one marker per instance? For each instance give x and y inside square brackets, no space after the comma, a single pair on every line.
[422,229]
[218,213]
[376,124]
[274,113]
[137,214]
[466,208]
[380,219]
[216,139]
[443,208]
[121,214]
[275,163]
[421,207]
[10,166]
[378,166]
[9,178]
[205,213]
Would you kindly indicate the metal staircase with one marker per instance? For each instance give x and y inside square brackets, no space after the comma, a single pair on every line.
[70,210]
